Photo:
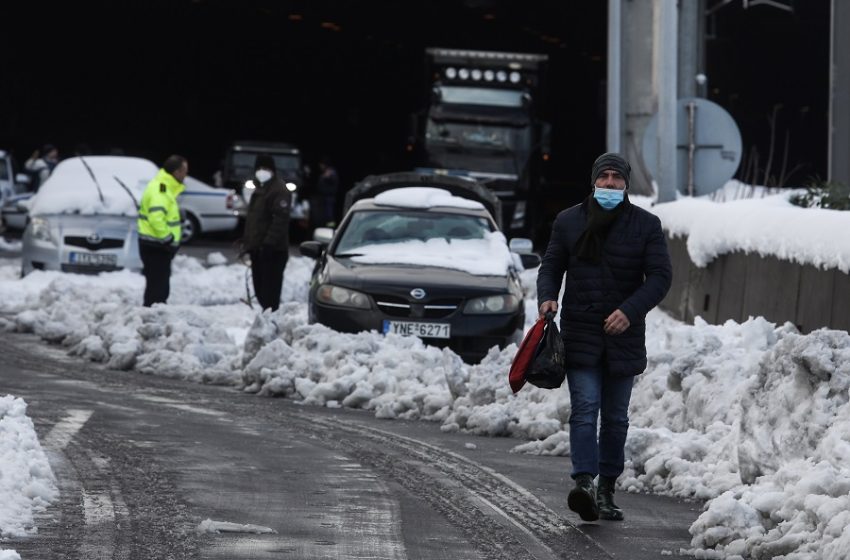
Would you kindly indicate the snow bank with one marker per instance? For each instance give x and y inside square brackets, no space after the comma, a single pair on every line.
[27,484]
[768,226]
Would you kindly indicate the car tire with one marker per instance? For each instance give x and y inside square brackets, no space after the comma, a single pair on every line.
[191,229]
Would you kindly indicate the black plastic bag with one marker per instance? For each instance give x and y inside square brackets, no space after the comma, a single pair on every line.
[548,369]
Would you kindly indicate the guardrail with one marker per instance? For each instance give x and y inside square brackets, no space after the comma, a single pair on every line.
[739,285]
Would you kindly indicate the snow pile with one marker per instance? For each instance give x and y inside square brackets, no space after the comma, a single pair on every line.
[27,484]
[769,226]
[216,527]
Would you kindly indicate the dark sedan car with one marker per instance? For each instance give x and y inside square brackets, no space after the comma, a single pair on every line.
[415,259]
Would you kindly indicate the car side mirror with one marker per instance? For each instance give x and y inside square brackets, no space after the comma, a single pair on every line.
[23,179]
[312,249]
[521,245]
[323,235]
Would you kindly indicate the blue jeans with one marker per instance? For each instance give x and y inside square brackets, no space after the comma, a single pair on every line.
[593,391]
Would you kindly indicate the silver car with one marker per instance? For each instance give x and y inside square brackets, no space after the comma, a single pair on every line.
[83,218]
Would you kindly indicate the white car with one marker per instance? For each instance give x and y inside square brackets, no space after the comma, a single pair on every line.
[83,218]
[207,209]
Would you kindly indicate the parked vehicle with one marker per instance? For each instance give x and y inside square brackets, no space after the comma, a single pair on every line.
[238,174]
[13,188]
[411,257]
[83,218]
[14,211]
[207,209]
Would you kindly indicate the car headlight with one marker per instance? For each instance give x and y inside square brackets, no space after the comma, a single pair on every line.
[491,305]
[335,295]
[40,228]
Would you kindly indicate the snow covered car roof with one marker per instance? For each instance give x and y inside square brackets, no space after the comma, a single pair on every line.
[70,189]
[463,187]
[424,197]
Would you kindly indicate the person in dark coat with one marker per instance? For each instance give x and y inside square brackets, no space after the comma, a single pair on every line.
[266,234]
[617,269]
[327,186]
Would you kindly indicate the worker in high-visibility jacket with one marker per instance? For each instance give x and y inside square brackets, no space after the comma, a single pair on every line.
[160,227]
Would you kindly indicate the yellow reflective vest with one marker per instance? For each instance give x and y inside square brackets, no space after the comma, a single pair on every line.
[159,214]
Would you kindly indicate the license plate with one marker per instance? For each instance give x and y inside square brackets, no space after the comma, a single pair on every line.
[422,330]
[93,259]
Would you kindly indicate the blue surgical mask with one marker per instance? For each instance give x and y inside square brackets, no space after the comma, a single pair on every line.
[608,198]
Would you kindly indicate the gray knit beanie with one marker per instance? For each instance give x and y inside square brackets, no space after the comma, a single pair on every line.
[613,161]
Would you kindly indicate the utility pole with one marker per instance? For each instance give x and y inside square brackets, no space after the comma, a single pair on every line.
[615,113]
[666,50]
[839,94]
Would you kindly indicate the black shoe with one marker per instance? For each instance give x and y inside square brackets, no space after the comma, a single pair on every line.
[582,498]
[608,510]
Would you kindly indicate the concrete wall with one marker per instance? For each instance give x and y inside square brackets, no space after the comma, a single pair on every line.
[737,286]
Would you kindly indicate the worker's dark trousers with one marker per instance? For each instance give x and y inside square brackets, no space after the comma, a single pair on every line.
[157,271]
[267,272]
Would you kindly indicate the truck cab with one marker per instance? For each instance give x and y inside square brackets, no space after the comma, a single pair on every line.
[482,121]
[238,174]
[239,164]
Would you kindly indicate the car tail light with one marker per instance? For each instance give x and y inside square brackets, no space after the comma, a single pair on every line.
[234,201]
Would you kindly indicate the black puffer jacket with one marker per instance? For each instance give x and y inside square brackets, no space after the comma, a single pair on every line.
[267,219]
[634,276]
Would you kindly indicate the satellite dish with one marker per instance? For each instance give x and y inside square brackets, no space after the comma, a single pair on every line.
[708,146]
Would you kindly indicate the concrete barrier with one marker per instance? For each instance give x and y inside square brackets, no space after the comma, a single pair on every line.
[738,285]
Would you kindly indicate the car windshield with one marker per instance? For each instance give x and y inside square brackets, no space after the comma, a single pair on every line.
[242,164]
[493,149]
[369,227]
[480,96]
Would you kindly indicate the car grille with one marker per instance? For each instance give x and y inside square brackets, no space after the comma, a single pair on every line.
[83,242]
[395,306]
[88,269]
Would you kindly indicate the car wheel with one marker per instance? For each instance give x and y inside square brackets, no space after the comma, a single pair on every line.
[191,229]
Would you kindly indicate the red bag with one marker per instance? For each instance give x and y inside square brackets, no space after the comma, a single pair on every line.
[525,354]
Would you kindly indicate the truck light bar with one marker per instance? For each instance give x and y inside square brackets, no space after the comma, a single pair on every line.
[476,75]
[498,68]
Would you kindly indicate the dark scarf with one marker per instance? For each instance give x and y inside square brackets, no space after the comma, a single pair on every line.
[599,221]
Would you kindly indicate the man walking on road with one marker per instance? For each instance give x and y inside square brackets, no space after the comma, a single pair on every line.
[266,236]
[617,269]
[160,227]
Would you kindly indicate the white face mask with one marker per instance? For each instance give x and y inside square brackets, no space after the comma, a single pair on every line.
[263,175]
